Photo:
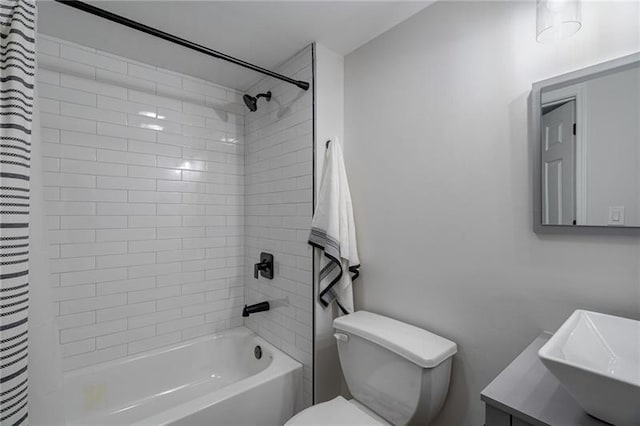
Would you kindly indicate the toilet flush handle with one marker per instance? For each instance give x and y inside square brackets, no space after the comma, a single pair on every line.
[341,337]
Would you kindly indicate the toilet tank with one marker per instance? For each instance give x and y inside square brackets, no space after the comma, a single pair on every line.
[399,371]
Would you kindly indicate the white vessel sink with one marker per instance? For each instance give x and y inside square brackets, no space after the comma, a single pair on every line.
[596,357]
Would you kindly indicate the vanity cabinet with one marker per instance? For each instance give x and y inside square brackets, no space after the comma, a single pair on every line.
[526,393]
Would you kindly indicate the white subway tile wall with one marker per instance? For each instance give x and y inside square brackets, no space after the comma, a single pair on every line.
[144,200]
[278,195]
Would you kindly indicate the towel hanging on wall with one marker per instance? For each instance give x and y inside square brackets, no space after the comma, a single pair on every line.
[333,231]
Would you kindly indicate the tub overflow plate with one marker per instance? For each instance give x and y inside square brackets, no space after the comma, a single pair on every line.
[257,351]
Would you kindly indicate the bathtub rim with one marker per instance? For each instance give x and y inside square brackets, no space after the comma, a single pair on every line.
[240,331]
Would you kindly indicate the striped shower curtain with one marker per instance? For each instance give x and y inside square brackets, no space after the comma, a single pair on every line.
[17,69]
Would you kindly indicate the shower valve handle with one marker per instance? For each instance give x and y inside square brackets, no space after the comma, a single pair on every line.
[264,267]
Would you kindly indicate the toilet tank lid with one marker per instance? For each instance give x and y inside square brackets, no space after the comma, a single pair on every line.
[415,344]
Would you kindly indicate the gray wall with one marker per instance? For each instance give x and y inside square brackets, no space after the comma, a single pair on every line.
[439,166]
[329,122]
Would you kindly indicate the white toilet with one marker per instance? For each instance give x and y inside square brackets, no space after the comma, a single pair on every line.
[398,374]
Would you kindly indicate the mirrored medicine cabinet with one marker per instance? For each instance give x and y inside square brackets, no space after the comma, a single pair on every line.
[585,131]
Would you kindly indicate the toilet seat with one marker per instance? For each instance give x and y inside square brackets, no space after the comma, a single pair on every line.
[338,411]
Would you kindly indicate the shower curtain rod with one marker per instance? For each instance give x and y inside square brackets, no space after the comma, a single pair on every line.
[85,7]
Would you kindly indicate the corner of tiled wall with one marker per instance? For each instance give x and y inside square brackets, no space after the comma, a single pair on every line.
[278,198]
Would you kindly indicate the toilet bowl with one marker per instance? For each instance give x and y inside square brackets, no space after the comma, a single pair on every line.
[397,373]
[338,411]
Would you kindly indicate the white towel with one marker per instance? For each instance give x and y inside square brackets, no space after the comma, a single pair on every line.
[333,231]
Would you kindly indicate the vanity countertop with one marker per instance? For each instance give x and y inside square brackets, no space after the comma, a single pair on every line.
[528,391]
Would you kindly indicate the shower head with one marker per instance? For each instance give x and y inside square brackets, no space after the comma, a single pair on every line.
[252,101]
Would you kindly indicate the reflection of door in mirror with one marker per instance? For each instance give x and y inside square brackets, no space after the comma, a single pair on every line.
[558,162]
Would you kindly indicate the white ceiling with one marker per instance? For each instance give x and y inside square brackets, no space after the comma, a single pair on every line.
[265,33]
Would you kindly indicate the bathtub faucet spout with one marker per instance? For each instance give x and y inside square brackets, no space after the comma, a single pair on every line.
[252,309]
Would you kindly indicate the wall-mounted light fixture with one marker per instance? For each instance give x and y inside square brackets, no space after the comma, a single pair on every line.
[557,19]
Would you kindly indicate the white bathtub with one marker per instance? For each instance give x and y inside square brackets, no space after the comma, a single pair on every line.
[214,380]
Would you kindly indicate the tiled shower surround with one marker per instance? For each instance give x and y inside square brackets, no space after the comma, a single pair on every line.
[145,202]
[278,197]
